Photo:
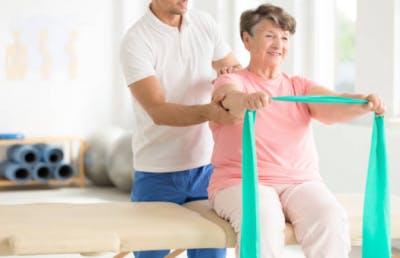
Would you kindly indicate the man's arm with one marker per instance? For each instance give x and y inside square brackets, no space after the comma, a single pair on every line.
[149,93]
[333,113]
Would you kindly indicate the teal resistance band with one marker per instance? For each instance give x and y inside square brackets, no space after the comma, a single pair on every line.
[250,231]
[376,216]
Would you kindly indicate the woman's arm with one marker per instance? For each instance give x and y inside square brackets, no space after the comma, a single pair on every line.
[236,102]
[334,113]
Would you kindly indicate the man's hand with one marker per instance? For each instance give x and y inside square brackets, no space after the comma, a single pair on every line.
[228,69]
[219,114]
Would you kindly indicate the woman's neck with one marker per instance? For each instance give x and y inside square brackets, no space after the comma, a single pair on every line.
[264,72]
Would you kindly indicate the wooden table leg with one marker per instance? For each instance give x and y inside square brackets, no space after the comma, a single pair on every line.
[121,255]
[175,253]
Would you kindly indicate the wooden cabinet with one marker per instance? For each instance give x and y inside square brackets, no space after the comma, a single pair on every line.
[74,151]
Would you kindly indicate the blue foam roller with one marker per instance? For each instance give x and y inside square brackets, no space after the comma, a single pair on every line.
[15,172]
[23,153]
[11,136]
[41,172]
[50,154]
[63,171]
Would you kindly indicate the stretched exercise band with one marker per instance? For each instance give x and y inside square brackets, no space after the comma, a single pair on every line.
[376,213]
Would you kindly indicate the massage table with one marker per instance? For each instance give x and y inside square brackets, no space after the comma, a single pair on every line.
[123,227]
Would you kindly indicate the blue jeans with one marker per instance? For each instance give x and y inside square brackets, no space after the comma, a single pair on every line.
[177,187]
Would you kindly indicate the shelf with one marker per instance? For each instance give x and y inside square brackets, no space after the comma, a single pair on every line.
[75,148]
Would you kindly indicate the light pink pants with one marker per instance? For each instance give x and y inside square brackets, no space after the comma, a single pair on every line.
[319,221]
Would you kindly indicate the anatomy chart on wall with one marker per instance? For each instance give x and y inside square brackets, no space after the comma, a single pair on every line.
[51,40]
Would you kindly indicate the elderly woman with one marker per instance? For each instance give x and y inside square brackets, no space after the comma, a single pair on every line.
[290,186]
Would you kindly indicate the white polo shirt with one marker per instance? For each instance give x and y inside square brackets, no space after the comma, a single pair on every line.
[181,60]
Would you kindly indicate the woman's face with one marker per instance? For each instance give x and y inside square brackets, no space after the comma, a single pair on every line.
[268,45]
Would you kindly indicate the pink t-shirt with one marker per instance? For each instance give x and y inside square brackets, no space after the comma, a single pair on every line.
[286,151]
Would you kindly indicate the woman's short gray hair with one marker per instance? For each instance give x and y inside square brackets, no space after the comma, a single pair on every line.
[276,14]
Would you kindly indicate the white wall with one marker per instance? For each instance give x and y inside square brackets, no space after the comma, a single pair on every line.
[377,68]
[344,154]
[60,104]
[99,98]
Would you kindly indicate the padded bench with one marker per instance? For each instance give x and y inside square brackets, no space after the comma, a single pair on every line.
[123,227]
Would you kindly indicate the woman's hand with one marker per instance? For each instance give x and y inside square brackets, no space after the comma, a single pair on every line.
[376,104]
[254,101]
[236,102]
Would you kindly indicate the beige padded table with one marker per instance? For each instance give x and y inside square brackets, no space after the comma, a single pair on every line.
[122,227]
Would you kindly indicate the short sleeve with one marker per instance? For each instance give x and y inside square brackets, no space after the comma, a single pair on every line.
[229,78]
[136,58]
[302,85]
[221,48]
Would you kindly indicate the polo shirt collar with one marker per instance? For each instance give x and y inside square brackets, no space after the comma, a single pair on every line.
[161,26]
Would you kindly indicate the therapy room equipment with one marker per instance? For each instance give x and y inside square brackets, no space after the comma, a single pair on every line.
[123,227]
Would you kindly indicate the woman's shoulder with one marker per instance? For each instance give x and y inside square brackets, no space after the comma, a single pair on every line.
[235,75]
[298,80]
[298,83]
[293,78]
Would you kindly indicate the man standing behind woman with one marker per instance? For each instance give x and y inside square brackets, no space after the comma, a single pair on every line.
[168,58]
[290,186]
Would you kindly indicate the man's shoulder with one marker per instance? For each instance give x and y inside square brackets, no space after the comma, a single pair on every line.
[138,26]
[137,33]
[200,16]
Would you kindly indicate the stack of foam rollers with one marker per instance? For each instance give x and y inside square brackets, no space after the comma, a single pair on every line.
[35,162]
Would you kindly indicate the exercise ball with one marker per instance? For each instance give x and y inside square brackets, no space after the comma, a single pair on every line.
[120,162]
[96,155]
